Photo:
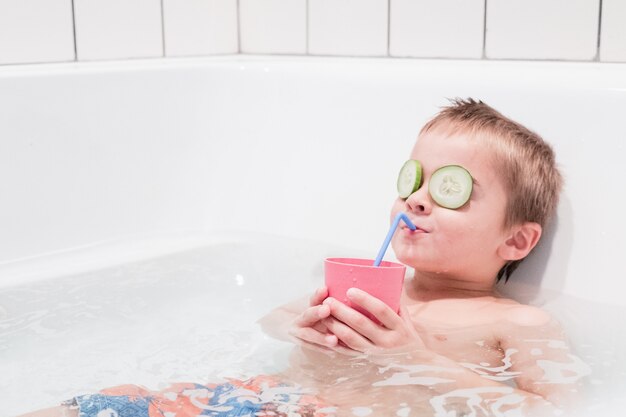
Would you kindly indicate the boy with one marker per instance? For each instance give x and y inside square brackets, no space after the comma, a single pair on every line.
[456,343]
[471,340]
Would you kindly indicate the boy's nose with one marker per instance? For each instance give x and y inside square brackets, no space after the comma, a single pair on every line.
[419,201]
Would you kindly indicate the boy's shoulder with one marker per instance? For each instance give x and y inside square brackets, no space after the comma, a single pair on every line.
[521,314]
[478,311]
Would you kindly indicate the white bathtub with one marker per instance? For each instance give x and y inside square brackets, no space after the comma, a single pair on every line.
[104,165]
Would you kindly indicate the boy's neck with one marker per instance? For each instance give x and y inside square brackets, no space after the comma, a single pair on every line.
[427,286]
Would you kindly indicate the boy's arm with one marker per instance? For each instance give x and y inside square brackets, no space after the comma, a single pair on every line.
[276,323]
[454,383]
[541,355]
[301,320]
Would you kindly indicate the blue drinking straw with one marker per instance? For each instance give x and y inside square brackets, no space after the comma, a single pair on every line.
[392,229]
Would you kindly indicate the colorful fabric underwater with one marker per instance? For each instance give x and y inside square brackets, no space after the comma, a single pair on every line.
[255,397]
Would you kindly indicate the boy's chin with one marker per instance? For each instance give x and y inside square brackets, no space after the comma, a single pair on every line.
[408,260]
[417,263]
[407,254]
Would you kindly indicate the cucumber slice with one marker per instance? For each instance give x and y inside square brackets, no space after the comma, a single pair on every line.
[451,186]
[409,178]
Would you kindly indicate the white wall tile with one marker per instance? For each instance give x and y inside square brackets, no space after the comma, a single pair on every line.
[36,31]
[348,27]
[442,28]
[273,26]
[613,37]
[117,29]
[542,29]
[200,27]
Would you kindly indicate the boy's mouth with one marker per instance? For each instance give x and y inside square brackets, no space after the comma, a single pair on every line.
[417,230]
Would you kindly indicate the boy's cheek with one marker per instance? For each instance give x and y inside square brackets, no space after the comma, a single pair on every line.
[397,207]
[394,246]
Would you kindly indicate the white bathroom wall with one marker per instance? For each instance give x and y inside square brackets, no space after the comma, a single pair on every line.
[444,28]
[542,29]
[348,27]
[118,29]
[36,31]
[51,30]
[273,26]
[200,27]
[613,36]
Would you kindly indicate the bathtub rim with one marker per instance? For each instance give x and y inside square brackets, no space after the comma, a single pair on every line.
[560,72]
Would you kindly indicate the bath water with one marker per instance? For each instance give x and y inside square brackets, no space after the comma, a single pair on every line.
[190,316]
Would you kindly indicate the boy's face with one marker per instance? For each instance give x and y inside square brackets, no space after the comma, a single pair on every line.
[461,242]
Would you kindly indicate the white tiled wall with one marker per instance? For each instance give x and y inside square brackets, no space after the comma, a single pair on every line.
[443,28]
[273,26]
[200,27]
[542,29]
[613,37]
[117,29]
[348,27]
[36,31]
[66,30]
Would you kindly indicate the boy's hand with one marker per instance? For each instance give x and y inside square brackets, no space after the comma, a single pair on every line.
[309,327]
[359,333]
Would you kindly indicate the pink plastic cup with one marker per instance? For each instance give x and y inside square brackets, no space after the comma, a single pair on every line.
[383,282]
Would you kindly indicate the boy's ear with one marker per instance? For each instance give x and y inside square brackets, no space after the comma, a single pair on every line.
[521,240]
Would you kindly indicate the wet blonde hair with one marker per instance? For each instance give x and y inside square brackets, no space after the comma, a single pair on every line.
[524,160]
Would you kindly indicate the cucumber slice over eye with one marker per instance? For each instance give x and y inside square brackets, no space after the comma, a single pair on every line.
[409,178]
[451,186]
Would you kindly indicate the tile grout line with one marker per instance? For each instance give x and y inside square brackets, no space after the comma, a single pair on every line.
[74,30]
[238,27]
[388,27]
[484,56]
[597,57]
[163,30]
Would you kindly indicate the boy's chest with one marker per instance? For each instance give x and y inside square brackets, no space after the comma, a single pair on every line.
[465,333]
